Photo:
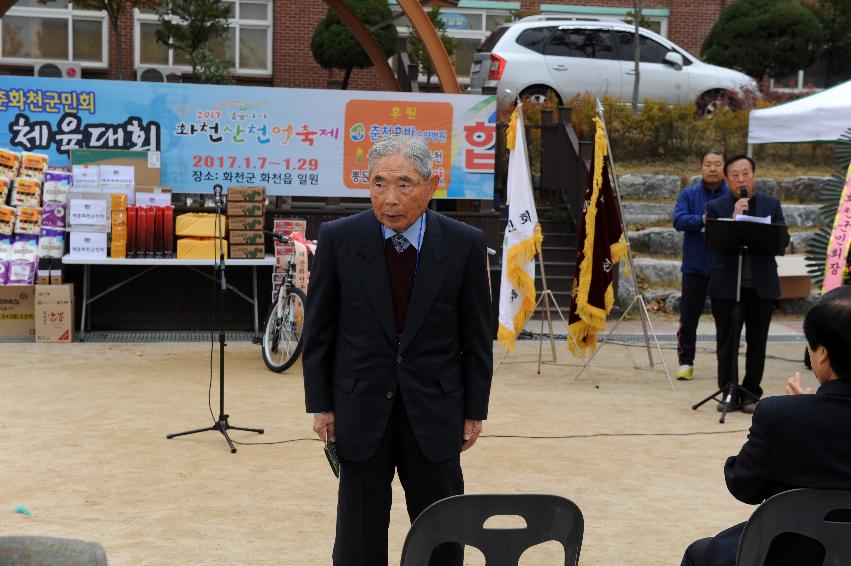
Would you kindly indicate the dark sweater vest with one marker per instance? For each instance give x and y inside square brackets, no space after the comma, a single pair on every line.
[400,267]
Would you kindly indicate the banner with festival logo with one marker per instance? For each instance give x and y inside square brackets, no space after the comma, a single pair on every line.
[293,141]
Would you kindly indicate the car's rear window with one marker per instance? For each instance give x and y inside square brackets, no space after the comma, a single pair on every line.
[490,41]
[534,38]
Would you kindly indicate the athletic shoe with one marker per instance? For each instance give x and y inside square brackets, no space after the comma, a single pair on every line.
[685,373]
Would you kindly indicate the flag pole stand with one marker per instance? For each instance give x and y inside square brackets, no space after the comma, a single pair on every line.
[546,297]
[637,299]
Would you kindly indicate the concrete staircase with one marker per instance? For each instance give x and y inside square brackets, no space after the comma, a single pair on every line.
[657,248]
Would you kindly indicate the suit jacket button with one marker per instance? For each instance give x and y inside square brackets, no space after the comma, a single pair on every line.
[398,359]
[389,394]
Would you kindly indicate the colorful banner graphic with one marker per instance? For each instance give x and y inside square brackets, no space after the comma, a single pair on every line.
[293,141]
[840,237]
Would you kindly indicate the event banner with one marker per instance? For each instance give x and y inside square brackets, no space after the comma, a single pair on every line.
[293,141]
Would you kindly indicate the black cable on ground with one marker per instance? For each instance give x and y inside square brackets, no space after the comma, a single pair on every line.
[553,437]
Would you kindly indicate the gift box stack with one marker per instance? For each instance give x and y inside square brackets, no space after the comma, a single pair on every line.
[286,252]
[245,208]
[24,237]
[198,235]
[149,231]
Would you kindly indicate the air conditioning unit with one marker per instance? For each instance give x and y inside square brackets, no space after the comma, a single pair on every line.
[158,75]
[58,70]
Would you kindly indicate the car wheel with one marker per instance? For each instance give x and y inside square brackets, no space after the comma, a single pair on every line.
[710,102]
[540,94]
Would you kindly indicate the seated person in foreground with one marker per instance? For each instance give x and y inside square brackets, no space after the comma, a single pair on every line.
[795,441]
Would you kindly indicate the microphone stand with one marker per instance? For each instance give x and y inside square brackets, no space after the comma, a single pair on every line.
[222,425]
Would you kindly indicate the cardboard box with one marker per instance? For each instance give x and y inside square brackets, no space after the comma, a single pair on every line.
[795,282]
[247,194]
[153,196]
[54,313]
[89,212]
[245,208]
[17,310]
[198,225]
[245,222]
[247,251]
[146,164]
[246,237]
[90,245]
[199,248]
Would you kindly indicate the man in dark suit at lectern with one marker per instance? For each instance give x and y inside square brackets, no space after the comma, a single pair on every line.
[397,350]
[760,284]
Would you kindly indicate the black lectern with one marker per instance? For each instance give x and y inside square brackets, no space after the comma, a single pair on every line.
[739,237]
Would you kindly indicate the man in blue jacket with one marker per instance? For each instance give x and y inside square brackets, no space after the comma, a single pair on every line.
[690,217]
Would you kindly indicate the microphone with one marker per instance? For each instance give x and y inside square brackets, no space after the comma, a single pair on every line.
[743,193]
[217,192]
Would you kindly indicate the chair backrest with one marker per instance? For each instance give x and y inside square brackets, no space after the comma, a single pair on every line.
[50,551]
[461,519]
[802,511]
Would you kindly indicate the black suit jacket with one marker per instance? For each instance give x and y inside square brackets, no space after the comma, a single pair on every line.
[353,363]
[795,441]
[722,277]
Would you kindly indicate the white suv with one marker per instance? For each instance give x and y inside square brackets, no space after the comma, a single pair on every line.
[570,57]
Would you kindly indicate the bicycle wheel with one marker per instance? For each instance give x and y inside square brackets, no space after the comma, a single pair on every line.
[282,337]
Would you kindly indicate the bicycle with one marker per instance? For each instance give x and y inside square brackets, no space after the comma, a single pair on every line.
[282,335]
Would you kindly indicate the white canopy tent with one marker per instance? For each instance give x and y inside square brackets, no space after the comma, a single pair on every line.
[823,116]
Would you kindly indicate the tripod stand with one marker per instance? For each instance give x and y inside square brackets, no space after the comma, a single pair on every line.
[733,389]
[222,425]
[744,237]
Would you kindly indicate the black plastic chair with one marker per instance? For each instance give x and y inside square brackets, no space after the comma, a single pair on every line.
[50,551]
[819,514]
[461,519]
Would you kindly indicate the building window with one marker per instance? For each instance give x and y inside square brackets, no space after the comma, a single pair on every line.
[248,43]
[55,31]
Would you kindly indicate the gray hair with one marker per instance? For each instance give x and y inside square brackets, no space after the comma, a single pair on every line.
[412,148]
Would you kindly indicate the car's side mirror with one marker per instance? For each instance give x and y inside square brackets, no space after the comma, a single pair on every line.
[674,59]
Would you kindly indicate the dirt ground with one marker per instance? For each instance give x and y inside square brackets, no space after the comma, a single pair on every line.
[84,449]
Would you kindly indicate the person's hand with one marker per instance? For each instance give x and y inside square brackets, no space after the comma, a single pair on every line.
[324,424]
[704,219]
[741,207]
[472,430]
[793,386]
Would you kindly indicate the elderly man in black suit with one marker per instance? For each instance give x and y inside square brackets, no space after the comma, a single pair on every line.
[397,350]
[760,284]
[798,440]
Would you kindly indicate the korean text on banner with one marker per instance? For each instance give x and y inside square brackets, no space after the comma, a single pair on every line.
[837,249]
[295,142]
[522,239]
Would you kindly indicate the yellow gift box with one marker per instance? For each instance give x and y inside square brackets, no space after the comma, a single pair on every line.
[199,248]
[198,225]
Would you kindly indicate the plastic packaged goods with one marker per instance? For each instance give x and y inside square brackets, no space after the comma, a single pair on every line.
[6,248]
[150,223]
[29,220]
[7,220]
[10,162]
[26,192]
[51,243]
[56,186]
[33,165]
[4,271]
[22,272]
[5,183]
[25,248]
[53,215]
[158,230]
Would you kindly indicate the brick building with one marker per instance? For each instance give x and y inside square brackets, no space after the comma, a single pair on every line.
[269,40]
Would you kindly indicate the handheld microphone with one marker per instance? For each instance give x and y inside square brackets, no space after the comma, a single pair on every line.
[217,192]
[743,193]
